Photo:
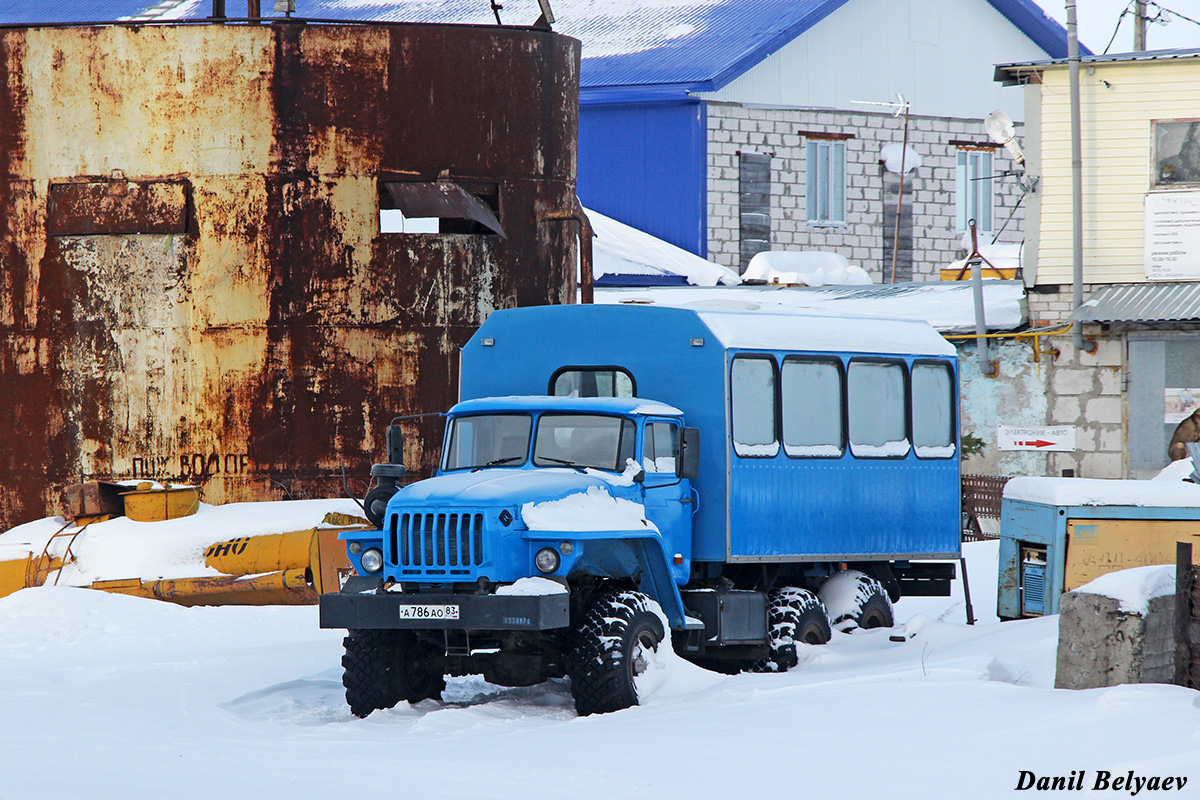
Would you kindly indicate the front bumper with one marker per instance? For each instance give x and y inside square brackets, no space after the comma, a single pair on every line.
[359,611]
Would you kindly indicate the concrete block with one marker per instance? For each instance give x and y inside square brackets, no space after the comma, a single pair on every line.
[1112,439]
[1110,380]
[1100,465]
[1103,410]
[1108,353]
[1072,381]
[1100,645]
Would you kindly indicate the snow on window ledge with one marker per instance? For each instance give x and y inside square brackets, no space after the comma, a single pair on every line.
[896,449]
[756,450]
[936,451]
[812,450]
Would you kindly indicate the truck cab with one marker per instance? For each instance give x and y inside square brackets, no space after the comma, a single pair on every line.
[742,482]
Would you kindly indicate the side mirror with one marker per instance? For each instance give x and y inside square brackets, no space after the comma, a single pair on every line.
[689,453]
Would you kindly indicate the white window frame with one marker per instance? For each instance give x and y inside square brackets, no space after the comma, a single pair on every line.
[976,195]
[825,197]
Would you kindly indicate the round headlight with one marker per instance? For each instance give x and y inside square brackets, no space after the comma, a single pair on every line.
[355,548]
[372,560]
[546,559]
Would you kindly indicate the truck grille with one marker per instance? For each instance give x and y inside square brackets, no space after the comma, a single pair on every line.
[436,543]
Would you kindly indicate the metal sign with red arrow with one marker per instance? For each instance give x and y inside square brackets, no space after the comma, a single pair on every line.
[1060,438]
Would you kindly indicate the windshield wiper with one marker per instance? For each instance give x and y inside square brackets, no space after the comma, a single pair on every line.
[564,462]
[497,462]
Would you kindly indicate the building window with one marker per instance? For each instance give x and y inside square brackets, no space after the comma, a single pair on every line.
[826,197]
[754,206]
[1176,152]
[974,177]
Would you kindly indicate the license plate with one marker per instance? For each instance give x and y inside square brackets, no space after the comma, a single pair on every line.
[429,612]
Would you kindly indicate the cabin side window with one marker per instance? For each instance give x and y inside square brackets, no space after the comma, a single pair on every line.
[877,401]
[812,407]
[592,382]
[752,387]
[933,410]
[660,452]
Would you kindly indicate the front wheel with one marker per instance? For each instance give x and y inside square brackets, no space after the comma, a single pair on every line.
[613,645]
[383,667]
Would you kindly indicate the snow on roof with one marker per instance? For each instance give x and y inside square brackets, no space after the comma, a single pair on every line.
[1134,588]
[782,329]
[1099,492]
[628,42]
[948,306]
[621,251]
[610,405]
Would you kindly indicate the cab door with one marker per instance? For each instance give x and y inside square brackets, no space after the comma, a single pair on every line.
[669,499]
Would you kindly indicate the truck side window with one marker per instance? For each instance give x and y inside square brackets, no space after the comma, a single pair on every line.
[753,381]
[661,448]
[933,410]
[877,399]
[592,382]
[812,407]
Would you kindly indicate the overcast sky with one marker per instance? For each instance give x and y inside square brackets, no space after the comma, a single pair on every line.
[1098,19]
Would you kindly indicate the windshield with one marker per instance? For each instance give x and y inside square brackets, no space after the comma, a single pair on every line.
[488,440]
[584,440]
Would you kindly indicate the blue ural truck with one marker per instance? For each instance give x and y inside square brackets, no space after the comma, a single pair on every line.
[741,480]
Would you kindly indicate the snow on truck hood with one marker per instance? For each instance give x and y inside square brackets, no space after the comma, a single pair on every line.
[507,486]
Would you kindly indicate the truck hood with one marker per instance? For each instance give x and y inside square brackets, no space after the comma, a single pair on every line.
[508,487]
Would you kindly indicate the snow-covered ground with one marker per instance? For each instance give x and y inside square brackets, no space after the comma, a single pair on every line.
[106,696]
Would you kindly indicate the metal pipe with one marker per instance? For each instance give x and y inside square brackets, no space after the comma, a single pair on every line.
[899,197]
[253,11]
[586,289]
[1076,170]
[218,13]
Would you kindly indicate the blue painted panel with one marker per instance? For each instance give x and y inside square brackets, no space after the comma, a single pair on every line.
[645,165]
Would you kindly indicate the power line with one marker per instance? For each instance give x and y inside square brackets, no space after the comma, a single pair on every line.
[1120,19]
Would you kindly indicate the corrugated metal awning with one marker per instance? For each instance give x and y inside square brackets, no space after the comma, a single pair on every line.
[1142,302]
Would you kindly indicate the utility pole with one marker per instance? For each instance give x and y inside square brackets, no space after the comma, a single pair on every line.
[1139,25]
[1076,171]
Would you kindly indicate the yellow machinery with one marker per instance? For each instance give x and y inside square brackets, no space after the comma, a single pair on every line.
[208,559]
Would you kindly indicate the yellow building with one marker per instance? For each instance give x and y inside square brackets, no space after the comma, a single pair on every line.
[1140,127]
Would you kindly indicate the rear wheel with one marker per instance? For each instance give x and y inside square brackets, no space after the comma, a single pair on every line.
[614,644]
[856,600]
[795,615]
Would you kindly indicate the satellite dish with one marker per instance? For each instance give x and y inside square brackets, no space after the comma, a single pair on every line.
[1001,130]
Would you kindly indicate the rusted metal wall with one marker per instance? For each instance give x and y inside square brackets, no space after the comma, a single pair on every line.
[193,284]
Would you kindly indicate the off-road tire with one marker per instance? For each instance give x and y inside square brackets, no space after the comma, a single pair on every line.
[867,607]
[606,651]
[383,667]
[795,615]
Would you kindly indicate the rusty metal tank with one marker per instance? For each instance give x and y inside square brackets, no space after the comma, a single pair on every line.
[193,281]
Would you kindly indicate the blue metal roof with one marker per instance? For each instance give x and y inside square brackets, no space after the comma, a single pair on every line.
[27,12]
[664,47]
